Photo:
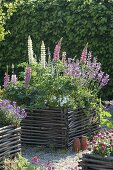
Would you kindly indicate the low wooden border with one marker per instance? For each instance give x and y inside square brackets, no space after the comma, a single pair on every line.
[96,162]
[56,127]
[10,142]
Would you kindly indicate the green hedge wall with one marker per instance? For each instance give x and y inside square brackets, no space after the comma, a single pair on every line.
[77,21]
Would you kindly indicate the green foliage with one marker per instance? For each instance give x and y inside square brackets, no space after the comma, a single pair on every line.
[18,163]
[77,21]
[49,88]
[10,114]
[6,11]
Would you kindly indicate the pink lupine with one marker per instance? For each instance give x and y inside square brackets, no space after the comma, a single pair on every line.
[27,76]
[6,80]
[84,55]
[57,50]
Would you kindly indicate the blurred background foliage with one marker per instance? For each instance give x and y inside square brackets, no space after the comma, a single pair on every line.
[77,21]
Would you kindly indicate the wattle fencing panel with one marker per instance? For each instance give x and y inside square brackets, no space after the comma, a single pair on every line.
[56,127]
[10,142]
[96,162]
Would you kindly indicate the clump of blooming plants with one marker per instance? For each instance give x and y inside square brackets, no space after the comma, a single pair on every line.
[10,114]
[60,82]
[102,143]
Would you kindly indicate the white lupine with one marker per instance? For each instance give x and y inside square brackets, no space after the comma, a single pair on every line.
[32,60]
[43,54]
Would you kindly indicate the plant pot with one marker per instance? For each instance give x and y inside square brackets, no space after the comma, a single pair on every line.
[76,145]
[84,142]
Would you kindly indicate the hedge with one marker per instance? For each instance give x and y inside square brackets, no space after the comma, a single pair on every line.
[77,21]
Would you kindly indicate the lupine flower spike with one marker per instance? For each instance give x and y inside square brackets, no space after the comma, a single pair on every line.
[27,76]
[43,55]
[32,60]
[57,50]
[6,80]
[49,55]
[84,54]
[13,78]
[64,57]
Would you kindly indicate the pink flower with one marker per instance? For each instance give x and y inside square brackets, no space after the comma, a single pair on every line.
[49,166]
[35,160]
[84,55]
[57,50]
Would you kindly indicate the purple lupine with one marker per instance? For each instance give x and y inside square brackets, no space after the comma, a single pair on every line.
[104,80]
[57,51]
[27,76]
[100,76]
[6,80]
[13,79]
[84,55]
[96,66]
[73,69]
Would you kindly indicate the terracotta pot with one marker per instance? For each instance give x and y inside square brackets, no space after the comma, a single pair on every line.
[84,143]
[76,145]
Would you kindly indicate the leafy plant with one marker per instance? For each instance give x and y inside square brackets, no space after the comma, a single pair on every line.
[62,83]
[18,163]
[10,113]
[6,11]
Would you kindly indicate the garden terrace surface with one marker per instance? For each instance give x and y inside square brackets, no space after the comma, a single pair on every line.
[55,127]
[10,142]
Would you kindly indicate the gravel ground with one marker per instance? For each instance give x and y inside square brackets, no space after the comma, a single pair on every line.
[59,160]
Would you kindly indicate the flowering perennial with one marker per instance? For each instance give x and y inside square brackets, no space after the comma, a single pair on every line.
[6,80]
[43,55]
[10,113]
[102,143]
[57,50]
[27,76]
[13,78]
[32,60]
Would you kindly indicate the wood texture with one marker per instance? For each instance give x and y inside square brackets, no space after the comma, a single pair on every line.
[10,142]
[96,162]
[55,127]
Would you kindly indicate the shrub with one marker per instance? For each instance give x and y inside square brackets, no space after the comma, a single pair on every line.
[78,21]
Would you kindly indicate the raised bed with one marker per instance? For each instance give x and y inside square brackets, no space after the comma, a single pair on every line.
[10,142]
[55,127]
[96,162]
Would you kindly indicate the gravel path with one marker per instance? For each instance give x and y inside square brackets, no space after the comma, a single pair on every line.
[57,160]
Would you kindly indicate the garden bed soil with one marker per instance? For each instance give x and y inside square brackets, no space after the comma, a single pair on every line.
[10,142]
[56,127]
